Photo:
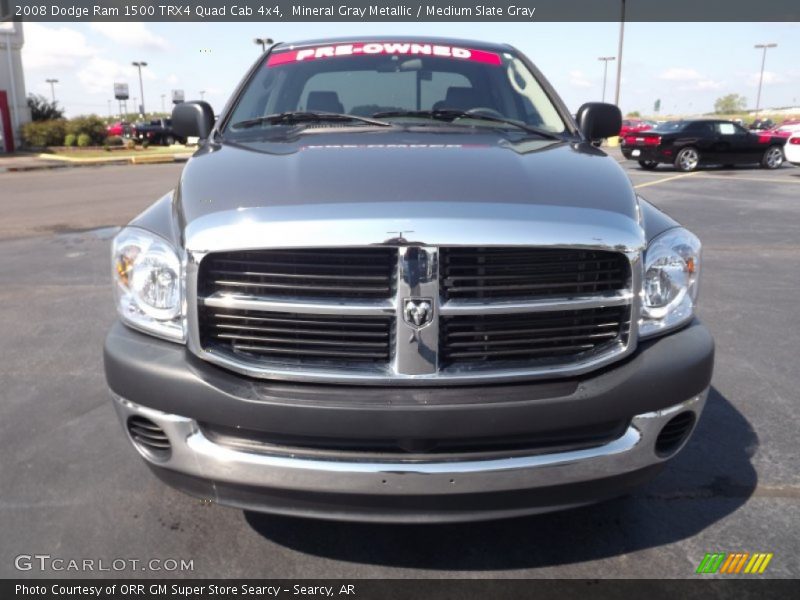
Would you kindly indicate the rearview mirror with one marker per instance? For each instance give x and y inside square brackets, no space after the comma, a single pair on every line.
[598,120]
[193,119]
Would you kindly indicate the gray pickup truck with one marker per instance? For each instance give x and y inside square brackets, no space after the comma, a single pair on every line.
[399,282]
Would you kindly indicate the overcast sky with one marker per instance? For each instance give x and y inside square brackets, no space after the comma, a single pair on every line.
[686,65]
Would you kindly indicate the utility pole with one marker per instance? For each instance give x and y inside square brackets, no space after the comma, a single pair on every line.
[163,106]
[110,114]
[619,53]
[605,60]
[202,94]
[52,83]
[139,65]
[263,42]
[761,76]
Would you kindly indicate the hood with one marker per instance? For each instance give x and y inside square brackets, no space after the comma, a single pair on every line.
[354,188]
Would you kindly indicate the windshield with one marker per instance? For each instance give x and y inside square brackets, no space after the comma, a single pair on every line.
[365,79]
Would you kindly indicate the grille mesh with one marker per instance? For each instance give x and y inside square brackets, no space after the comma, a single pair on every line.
[364,273]
[509,273]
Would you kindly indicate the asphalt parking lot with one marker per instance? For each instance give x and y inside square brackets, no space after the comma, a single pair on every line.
[72,487]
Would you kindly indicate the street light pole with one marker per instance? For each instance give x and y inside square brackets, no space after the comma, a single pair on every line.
[52,83]
[202,94]
[605,60]
[619,53]
[761,76]
[263,42]
[163,106]
[139,65]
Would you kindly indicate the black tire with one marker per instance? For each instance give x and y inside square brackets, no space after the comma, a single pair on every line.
[169,140]
[648,165]
[688,159]
[773,158]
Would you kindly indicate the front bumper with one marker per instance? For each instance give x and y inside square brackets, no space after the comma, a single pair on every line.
[159,381]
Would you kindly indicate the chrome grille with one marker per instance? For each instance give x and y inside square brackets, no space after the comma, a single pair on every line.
[507,273]
[306,273]
[531,337]
[296,338]
[339,315]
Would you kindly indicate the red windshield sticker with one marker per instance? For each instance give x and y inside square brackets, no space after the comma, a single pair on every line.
[383,48]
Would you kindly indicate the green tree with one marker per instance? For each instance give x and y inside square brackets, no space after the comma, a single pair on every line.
[42,110]
[732,103]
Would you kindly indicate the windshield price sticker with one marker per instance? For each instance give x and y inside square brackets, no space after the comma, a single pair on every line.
[382,48]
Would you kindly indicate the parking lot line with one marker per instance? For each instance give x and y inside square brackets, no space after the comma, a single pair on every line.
[736,177]
[665,179]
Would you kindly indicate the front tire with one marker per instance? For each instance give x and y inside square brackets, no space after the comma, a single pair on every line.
[687,159]
[169,140]
[773,158]
[648,165]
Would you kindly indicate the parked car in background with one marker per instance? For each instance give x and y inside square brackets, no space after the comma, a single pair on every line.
[691,143]
[157,131]
[119,128]
[634,126]
[785,129]
[792,148]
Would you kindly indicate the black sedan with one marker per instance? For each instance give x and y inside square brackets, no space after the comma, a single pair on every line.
[689,144]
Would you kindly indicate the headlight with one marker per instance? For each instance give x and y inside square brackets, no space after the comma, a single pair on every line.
[148,284]
[671,277]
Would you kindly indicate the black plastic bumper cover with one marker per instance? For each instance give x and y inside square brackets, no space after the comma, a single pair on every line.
[165,376]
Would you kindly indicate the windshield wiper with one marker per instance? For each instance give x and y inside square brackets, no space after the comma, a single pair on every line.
[450,114]
[293,117]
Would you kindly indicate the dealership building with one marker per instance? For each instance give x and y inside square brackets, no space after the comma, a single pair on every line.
[13,105]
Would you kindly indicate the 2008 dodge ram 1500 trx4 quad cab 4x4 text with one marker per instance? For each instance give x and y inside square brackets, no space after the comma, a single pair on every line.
[398,282]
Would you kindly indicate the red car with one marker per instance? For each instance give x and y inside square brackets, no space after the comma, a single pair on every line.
[634,126]
[120,128]
[787,128]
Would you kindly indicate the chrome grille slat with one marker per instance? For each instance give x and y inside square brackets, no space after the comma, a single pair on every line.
[320,266]
[455,289]
[297,341]
[297,275]
[299,305]
[305,288]
[513,332]
[272,350]
[308,321]
[300,331]
[487,354]
[531,341]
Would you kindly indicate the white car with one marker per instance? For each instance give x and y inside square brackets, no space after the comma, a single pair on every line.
[791,150]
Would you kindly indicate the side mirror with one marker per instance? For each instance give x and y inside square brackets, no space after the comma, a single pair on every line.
[193,119]
[598,120]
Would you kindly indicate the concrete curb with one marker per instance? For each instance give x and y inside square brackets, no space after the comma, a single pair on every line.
[66,163]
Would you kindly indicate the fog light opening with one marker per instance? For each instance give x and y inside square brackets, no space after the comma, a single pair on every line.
[149,438]
[674,433]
